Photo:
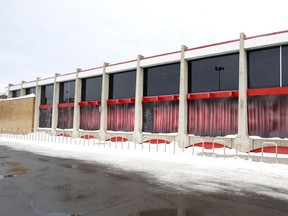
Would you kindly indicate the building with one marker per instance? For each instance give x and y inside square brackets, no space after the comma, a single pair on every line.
[237,87]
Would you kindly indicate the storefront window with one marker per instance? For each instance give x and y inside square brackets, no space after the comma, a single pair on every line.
[162,80]
[47,94]
[122,85]
[264,68]
[67,92]
[219,73]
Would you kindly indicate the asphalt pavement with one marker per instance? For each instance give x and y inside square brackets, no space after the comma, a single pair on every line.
[33,185]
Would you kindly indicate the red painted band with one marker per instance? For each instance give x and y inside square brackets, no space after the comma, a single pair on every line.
[46,106]
[267,91]
[159,55]
[125,62]
[89,69]
[220,94]
[215,44]
[83,103]
[121,101]
[62,105]
[94,103]
[269,34]
[160,98]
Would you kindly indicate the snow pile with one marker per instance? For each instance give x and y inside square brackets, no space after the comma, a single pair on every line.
[21,97]
[170,165]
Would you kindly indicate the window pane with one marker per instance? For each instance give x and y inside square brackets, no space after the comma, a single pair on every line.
[264,68]
[218,73]
[91,89]
[67,92]
[162,80]
[16,93]
[285,65]
[31,90]
[122,85]
[47,94]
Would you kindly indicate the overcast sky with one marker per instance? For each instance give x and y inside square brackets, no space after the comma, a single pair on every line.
[39,38]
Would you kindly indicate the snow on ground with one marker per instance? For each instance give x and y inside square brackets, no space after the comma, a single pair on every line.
[170,165]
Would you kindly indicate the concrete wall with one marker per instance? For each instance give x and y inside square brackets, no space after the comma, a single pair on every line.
[17,114]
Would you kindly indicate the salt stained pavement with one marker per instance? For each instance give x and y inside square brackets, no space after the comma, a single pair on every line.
[172,166]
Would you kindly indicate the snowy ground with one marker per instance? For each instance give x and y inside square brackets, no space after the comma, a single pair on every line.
[171,165]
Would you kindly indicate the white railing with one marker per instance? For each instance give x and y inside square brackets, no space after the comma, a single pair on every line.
[164,143]
[270,144]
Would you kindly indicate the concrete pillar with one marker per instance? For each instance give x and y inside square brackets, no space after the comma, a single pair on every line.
[182,136]
[55,105]
[242,141]
[37,104]
[9,93]
[77,99]
[22,90]
[138,116]
[104,98]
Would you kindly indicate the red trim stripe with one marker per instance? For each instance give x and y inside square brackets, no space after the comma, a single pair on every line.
[66,74]
[46,106]
[89,69]
[62,105]
[215,44]
[159,55]
[84,103]
[268,34]
[89,103]
[30,82]
[94,103]
[160,98]
[112,101]
[157,141]
[220,94]
[119,63]
[121,101]
[272,149]
[267,91]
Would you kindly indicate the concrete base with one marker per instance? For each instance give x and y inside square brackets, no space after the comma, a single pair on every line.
[242,143]
[75,133]
[182,139]
[102,135]
[137,137]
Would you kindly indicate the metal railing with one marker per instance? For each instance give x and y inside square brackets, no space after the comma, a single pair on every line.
[221,141]
[195,141]
[269,144]
[123,141]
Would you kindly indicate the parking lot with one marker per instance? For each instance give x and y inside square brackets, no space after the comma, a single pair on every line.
[31,185]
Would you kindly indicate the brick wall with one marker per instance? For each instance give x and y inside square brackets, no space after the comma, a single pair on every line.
[17,114]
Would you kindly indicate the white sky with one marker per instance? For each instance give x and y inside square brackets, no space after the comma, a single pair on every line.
[41,37]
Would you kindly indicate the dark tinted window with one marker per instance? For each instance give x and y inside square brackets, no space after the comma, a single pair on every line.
[47,94]
[91,89]
[30,91]
[122,85]
[264,68]
[218,73]
[162,80]
[16,93]
[285,65]
[67,92]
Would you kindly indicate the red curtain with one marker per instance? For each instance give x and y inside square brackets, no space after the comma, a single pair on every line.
[65,117]
[120,117]
[166,116]
[90,118]
[160,116]
[268,116]
[213,117]
[45,118]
